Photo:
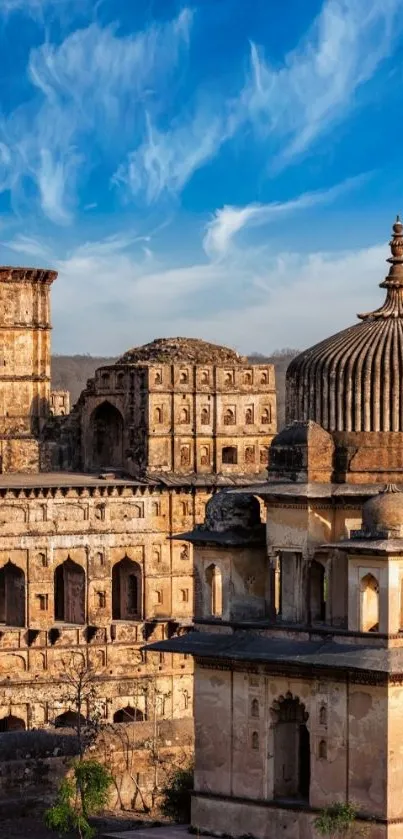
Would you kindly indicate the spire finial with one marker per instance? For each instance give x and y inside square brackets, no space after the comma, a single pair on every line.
[396,242]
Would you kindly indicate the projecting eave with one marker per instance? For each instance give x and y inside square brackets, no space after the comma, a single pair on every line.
[289,489]
[247,647]
[379,546]
[230,538]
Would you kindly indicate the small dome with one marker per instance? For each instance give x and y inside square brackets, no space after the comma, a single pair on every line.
[181,350]
[353,380]
[230,510]
[384,512]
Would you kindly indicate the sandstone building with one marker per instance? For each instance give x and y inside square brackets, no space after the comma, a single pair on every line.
[299,649]
[89,501]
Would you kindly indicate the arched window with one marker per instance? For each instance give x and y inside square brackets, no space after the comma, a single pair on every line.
[249,416]
[183,377]
[247,379]
[156,508]
[317,591]
[126,590]
[185,595]
[204,455]
[11,723]
[250,454]
[43,560]
[322,750]
[230,455]
[158,597]
[291,745]
[158,415]
[266,416]
[106,426]
[185,455]
[12,595]
[254,708]
[128,714]
[214,586]
[323,715]
[229,378]
[157,554]
[369,621]
[69,583]
[158,377]
[255,740]
[229,416]
[205,416]
[263,378]
[69,719]
[120,381]
[204,378]
[184,416]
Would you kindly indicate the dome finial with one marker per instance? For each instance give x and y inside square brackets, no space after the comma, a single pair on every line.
[396,242]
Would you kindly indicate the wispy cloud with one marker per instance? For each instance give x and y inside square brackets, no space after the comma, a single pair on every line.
[91,88]
[318,82]
[38,8]
[167,161]
[228,221]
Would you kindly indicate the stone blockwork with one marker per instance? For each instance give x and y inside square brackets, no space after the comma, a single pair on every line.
[179,406]
[60,403]
[91,568]
[24,365]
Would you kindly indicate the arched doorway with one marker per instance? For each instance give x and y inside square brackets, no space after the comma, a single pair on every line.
[128,714]
[317,591]
[12,595]
[107,436]
[11,723]
[369,592]
[69,719]
[126,590]
[70,593]
[214,587]
[291,748]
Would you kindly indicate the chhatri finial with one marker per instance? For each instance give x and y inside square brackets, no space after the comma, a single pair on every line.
[396,242]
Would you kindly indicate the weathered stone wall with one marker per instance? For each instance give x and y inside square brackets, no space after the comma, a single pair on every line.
[32,765]
[95,528]
[181,418]
[24,365]
[236,754]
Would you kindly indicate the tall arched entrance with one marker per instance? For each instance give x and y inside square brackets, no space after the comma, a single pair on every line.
[291,749]
[106,427]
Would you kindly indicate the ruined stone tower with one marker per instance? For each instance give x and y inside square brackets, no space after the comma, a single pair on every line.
[24,365]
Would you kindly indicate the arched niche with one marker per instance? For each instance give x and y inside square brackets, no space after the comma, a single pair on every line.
[69,719]
[12,595]
[128,714]
[213,577]
[69,583]
[106,425]
[126,590]
[291,748]
[369,604]
[11,723]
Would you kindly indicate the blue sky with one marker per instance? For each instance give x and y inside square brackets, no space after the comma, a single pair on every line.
[225,169]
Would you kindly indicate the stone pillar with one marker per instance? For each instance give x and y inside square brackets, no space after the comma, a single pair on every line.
[24,365]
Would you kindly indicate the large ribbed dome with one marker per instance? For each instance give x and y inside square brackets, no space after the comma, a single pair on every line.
[353,381]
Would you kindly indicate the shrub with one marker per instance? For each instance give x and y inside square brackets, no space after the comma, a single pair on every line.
[80,796]
[176,796]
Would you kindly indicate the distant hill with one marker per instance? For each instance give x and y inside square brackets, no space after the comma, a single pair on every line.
[70,372]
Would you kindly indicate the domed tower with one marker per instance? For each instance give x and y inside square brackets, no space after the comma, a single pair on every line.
[24,365]
[353,381]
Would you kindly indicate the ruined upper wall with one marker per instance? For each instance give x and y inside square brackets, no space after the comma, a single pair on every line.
[24,365]
[179,406]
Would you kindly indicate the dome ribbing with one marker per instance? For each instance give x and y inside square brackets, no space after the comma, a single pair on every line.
[353,381]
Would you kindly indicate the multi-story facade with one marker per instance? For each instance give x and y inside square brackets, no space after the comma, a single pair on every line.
[299,653]
[87,562]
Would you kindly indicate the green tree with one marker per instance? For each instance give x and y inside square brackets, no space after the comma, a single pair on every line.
[86,790]
[176,794]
